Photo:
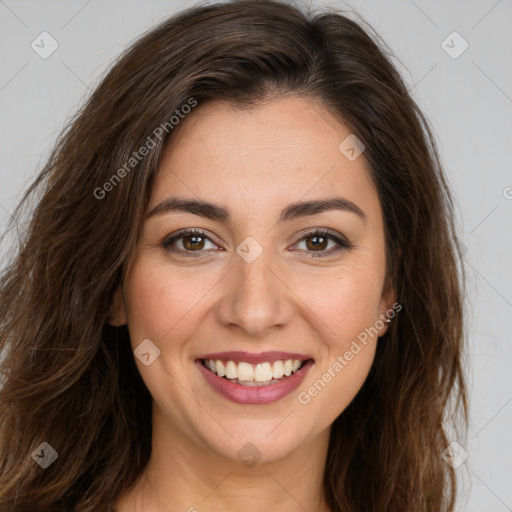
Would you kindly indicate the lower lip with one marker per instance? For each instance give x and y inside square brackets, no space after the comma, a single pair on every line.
[254,395]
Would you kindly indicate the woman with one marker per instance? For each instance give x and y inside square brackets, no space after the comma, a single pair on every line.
[238,288]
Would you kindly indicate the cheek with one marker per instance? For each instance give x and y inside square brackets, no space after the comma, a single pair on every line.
[346,304]
[163,302]
[337,383]
[348,346]
[348,308]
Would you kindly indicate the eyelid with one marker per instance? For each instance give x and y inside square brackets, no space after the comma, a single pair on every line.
[342,242]
[323,231]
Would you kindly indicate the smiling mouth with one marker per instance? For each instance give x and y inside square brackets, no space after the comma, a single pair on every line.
[247,374]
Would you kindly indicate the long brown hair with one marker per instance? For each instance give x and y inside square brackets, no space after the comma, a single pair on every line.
[69,379]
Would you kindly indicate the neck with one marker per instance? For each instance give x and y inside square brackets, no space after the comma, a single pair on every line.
[183,475]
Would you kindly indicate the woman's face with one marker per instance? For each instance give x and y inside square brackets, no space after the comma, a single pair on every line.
[254,281]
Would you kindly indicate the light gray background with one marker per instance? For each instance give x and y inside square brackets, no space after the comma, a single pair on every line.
[468,101]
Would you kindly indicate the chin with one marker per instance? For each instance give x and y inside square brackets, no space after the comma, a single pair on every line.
[261,442]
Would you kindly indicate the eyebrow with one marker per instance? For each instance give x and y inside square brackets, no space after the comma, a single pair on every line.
[222,214]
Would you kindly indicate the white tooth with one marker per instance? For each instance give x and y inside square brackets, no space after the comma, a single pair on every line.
[277,369]
[287,367]
[245,371]
[221,369]
[295,365]
[212,365]
[263,372]
[231,372]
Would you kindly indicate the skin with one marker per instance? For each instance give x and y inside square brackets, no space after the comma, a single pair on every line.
[255,163]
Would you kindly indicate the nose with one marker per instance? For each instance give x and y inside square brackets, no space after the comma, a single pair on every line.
[256,298]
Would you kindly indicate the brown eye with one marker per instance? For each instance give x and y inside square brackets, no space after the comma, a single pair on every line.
[317,243]
[188,241]
[191,242]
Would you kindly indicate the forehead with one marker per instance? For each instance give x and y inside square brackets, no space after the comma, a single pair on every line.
[278,152]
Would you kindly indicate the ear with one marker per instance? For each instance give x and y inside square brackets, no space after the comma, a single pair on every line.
[389,306]
[117,315]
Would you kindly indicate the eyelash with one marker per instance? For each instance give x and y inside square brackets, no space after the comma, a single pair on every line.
[342,243]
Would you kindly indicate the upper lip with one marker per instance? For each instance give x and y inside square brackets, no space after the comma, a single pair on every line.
[255,358]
